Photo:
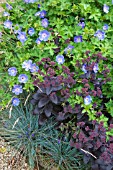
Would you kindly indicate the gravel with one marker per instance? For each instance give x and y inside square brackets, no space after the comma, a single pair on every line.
[10,159]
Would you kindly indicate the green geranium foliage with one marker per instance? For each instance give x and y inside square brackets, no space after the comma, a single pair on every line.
[64,23]
[71,36]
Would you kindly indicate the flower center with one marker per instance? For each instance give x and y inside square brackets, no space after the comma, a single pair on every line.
[59,60]
[44,35]
[79,39]
[99,35]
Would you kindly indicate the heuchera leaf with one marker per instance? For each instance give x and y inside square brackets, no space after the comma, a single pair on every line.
[48,109]
[56,88]
[33,102]
[38,96]
[48,90]
[109,167]
[38,110]
[95,166]
[86,158]
[42,119]
[60,117]
[43,102]
[54,98]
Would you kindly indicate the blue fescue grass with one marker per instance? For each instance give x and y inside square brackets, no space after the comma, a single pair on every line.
[23,132]
[57,151]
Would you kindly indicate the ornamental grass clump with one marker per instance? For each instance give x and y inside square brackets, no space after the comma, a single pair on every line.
[60,154]
[22,131]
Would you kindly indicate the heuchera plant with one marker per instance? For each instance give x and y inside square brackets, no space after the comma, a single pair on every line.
[90,138]
[54,90]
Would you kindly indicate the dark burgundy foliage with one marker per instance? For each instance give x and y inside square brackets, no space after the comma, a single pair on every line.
[91,141]
[52,94]
[51,99]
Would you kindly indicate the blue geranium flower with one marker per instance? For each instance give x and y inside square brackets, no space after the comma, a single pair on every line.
[29,1]
[87,100]
[27,64]
[44,35]
[100,34]
[60,59]
[105,27]
[5,14]
[31,31]
[81,24]
[34,68]
[106,8]
[26,1]
[15,101]
[37,14]
[38,41]
[32,1]
[22,37]
[42,14]
[95,68]
[12,71]
[82,19]
[17,89]
[68,49]
[9,7]
[23,78]
[39,5]
[45,22]
[17,31]
[8,24]
[84,68]
[78,39]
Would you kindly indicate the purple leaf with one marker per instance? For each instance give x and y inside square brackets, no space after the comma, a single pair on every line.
[42,119]
[48,109]
[109,167]
[61,116]
[89,145]
[95,167]
[48,90]
[56,88]
[43,102]
[54,98]
[86,159]
[38,96]
[57,109]
[38,110]
[33,102]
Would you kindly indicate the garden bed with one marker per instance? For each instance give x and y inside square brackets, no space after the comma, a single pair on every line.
[56,77]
